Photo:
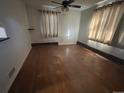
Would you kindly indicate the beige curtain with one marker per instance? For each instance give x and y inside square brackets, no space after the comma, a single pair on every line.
[120,41]
[49,23]
[104,23]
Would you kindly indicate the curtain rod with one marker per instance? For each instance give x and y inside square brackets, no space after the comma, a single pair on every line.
[43,10]
[109,4]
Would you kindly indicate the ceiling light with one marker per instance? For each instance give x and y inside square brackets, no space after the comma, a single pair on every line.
[65,9]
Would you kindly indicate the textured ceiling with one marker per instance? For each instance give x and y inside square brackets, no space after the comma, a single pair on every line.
[40,3]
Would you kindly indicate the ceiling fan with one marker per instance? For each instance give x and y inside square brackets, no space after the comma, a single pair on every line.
[66,4]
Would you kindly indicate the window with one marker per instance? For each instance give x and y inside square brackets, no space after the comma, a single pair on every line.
[105,22]
[49,23]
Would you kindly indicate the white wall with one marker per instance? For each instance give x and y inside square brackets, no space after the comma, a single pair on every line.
[70,22]
[86,16]
[69,27]
[83,36]
[13,51]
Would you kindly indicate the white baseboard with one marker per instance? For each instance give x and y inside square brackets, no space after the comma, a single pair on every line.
[17,70]
[68,43]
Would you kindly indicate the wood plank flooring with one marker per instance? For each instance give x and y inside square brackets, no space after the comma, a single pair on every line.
[68,69]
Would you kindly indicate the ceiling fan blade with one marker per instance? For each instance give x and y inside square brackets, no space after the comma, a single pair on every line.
[56,2]
[75,6]
[57,7]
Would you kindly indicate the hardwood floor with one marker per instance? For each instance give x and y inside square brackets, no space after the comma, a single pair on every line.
[68,69]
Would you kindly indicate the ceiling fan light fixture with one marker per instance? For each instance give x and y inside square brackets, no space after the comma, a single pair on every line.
[65,9]
[65,4]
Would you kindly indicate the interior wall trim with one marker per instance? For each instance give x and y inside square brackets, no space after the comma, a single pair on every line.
[49,43]
[106,55]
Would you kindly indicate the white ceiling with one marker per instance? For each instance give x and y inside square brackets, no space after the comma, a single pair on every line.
[40,3]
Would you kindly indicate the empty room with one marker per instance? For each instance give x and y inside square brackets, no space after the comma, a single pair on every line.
[61,46]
